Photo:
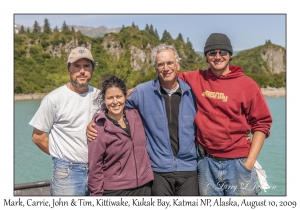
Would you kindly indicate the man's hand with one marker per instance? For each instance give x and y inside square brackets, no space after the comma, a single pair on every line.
[129,92]
[91,132]
[256,145]
[247,135]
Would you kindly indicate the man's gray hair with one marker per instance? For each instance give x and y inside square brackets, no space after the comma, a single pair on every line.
[162,47]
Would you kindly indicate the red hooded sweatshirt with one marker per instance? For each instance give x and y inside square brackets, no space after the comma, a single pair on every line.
[227,107]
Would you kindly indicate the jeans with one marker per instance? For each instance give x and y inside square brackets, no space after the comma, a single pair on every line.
[68,178]
[227,177]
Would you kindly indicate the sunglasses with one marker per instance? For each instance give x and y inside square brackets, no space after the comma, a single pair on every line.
[221,53]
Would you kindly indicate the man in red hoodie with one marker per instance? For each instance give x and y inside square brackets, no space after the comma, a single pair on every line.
[228,105]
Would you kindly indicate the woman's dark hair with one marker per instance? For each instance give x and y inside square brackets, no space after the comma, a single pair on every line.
[110,82]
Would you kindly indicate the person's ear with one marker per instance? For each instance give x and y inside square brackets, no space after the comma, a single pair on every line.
[178,66]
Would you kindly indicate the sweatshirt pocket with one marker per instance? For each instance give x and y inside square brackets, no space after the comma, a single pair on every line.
[142,160]
[214,130]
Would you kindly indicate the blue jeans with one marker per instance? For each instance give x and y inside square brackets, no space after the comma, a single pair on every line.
[226,177]
[68,178]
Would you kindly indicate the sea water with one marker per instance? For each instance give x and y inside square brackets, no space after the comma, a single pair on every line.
[31,164]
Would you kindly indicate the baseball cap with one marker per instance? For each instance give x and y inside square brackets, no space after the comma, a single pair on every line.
[79,53]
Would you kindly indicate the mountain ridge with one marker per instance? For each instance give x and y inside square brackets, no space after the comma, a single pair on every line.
[40,59]
[93,32]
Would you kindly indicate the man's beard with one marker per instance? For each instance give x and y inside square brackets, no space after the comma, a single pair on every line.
[76,84]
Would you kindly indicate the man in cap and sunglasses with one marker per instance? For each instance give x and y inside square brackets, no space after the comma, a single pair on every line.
[60,125]
[228,105]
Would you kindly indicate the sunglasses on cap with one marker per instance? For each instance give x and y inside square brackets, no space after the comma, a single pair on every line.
[221,53]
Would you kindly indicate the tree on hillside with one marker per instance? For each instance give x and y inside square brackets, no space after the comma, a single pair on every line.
[166,36]
[47,28]
[189,43]
[156,34]
[151,30]
[55,29]
[22,30]
[133,26]
[147,27]
[73,30]
[268,41]
[27,30]
[179,38]
[36,27]
[65,27]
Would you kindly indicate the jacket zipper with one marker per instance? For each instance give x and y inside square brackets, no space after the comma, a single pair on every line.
[170,97]
[175,163]
[163,104]
[136,174]
[170,112]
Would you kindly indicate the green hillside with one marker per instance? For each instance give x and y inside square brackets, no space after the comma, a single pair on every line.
[266,64]
[40,58]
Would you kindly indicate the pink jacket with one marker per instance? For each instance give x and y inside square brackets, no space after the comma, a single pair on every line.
[116,160]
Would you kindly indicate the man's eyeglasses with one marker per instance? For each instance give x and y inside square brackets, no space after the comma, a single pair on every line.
[221,53]
[170,64]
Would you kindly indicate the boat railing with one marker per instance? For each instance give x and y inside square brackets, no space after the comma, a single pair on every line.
[32,188]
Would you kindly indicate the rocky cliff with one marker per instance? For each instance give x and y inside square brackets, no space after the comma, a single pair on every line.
[275,58]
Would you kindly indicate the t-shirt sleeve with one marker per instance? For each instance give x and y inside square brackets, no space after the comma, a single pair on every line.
[45,116]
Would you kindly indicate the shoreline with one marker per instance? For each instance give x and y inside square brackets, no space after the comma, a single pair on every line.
[274,92]
[33,96]
[267,92]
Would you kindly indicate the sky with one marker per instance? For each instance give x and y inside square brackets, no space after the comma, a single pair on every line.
[245,31]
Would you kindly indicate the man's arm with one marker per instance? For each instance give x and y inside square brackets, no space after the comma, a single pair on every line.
[260,119]
[256,145]
[41,139]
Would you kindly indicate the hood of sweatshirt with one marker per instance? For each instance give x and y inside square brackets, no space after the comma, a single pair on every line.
[235,71]
[99,116]
[108,125]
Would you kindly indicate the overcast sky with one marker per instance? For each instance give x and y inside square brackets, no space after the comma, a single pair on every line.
[244,31]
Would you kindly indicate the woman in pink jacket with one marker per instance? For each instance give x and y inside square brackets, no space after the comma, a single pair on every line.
[118,160]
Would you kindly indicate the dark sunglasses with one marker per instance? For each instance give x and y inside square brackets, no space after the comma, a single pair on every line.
[221,53]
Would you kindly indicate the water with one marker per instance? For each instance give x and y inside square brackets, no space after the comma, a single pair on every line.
[31,164]
[273,154]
